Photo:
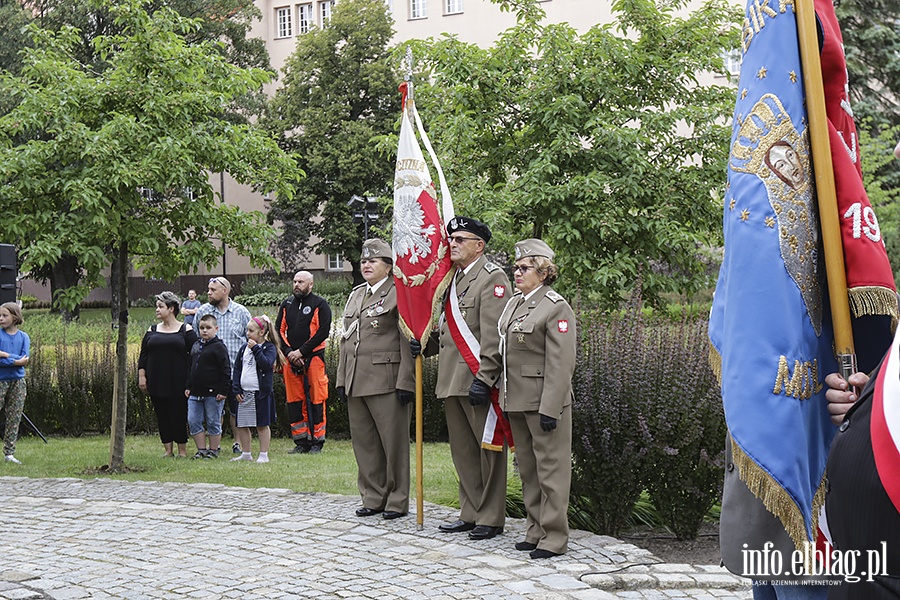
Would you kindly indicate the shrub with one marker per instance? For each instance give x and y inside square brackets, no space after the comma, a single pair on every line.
[688,424]
[647,415]
[610,431]
[70,389]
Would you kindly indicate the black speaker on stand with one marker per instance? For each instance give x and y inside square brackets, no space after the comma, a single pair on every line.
[8,273]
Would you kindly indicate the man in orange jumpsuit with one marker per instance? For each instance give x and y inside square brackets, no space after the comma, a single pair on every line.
[303,323]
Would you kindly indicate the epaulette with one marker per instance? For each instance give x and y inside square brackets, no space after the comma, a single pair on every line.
[490,267]
[363,284]
[553,296]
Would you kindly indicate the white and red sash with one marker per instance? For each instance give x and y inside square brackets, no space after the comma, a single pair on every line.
[496,428]
[885,424]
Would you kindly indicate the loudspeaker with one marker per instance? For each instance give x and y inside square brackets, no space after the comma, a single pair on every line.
[8,272]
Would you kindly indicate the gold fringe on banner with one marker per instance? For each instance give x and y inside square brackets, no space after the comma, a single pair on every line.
[715,363]
[776,499]
[874,300]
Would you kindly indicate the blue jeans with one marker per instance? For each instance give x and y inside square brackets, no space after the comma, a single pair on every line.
[763,590]
[206,410]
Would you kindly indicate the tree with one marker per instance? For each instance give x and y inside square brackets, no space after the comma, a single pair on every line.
[340,92]
[120,158]
[605,144]
[871,32]
[226,22]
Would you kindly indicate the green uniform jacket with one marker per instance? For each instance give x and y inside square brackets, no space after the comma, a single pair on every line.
[375,357]
[482,293]
[539,353]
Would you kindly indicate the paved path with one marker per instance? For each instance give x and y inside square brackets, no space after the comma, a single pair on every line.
[72,538]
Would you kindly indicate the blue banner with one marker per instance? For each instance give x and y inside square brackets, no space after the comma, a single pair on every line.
[770,326]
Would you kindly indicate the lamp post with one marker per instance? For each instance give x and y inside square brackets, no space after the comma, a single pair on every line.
[365,211]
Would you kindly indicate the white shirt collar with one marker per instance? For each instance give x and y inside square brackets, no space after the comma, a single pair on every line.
[531,293]
[374,288]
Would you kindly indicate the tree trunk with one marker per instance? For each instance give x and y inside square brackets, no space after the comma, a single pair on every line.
[120,390]
[63,275]
[114,273]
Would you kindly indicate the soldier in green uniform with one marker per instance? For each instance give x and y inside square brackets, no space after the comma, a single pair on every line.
[537,330]
[468,368]
[375,379]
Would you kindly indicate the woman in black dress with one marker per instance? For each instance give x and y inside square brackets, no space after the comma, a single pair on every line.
[163,368]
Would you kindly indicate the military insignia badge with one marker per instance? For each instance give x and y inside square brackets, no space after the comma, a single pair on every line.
[375,324]
[562,325]
[307,310]
[520,338]
[366,253]
[499,291]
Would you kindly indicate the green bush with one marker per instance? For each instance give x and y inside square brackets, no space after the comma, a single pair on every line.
[70,387]
[647,415]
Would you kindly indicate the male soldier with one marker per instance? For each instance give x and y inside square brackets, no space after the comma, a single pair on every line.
[303,323]
[232,319]
[477,296]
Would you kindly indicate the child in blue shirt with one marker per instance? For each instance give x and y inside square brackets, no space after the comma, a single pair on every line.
[15,345]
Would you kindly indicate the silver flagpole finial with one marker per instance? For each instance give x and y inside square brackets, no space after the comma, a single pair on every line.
[409,74]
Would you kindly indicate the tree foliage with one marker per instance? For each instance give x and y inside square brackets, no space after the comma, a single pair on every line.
[871,32]
[607,144]
[339,93]
[224,22]
[119,158]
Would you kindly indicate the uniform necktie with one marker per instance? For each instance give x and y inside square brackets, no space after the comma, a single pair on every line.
[367,295]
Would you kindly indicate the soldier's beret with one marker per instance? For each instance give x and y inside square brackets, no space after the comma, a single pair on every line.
[533,247]
[471,225]
[375,248]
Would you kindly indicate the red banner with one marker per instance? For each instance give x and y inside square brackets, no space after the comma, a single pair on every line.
[422,264]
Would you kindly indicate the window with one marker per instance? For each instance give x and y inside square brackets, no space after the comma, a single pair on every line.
[418,9]
[335,262]
[732,60]
[325,10]
[283,20]
[304,18]
[452,7]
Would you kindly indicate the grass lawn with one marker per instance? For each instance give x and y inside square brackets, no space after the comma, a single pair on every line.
[332,471]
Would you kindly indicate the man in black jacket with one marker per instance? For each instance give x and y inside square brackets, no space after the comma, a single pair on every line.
[303,324]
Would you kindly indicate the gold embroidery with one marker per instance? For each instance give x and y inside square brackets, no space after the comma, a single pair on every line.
[761,74]
[793,76]
[731,204]
[745,215]
[769,146]
[802,383]
[770,222]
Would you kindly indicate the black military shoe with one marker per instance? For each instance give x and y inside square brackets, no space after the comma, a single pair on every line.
[367,512]
[457,526]
[484,532]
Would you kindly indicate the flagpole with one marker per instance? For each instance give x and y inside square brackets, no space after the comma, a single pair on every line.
[825,187]
[420,488]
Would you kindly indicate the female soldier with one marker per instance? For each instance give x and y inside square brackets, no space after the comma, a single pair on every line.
[375,373]
[537,333]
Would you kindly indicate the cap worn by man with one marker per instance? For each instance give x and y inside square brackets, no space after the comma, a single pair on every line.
[474,226]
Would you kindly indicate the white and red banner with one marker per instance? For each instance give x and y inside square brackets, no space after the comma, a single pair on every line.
[422,267]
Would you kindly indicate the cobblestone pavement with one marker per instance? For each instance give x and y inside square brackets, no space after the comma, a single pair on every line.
[72,538]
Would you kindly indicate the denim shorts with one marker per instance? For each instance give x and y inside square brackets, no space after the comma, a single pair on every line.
[207,411]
